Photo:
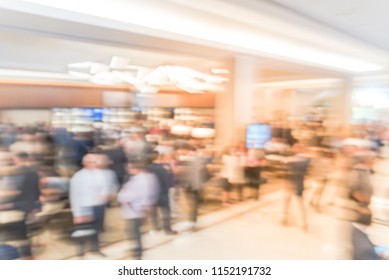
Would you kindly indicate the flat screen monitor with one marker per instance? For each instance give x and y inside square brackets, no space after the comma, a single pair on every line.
[97,114]
[93,114]
[257,135]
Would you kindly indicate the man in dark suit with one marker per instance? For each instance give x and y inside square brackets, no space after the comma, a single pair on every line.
[163,204]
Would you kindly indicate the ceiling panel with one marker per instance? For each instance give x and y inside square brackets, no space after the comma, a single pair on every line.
[366,20]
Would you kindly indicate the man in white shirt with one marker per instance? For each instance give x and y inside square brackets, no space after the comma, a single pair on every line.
[90,190]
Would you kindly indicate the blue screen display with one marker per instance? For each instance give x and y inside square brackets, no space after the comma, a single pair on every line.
[94,114]
[97,114]
[257,135]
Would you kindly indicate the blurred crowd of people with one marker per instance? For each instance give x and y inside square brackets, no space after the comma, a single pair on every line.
[46,169]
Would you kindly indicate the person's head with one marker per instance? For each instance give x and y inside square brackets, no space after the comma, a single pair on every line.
[136,167]
[183,149]
[152,156]
[21,159]
[138,133]
[111,142]
[165,150]
[90,161]
[102,161]
[166,157]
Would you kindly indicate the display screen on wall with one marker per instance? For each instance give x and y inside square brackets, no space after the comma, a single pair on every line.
[257,135]
[97,114]
[93,114]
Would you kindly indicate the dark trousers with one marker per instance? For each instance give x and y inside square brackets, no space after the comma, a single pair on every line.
[89,237]
[193,197]
[253,177]
[93,239]
[135,234]
[166,217]
[99,214]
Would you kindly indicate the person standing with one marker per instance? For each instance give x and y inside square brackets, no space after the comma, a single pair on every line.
[111,186]
[138,195]
[135,144]
[321,168]
[118,158]
[361,191]
[23,183]
[195,174]
[163,204]
[89,195]
[297,167]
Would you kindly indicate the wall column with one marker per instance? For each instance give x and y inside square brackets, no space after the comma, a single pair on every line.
[235,105]
[244,87]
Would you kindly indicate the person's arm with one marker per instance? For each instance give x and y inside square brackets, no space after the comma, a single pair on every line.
[110,187]
[124,196]
[37,207]
[165,182]
[114,185]
[12,185]
[50,192]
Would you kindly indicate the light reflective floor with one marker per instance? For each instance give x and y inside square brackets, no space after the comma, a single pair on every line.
[248,230]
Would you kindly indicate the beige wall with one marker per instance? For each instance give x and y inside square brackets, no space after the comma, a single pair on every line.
[271,104]
[276,104]
[32,95]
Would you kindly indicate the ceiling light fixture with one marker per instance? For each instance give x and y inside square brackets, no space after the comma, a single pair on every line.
[118,71]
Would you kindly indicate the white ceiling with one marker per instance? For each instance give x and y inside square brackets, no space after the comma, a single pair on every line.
[46,38]
[366,20]
[50,48]
[43,52]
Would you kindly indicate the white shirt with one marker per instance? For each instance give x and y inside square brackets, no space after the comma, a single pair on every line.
[90,187]
[233,168]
